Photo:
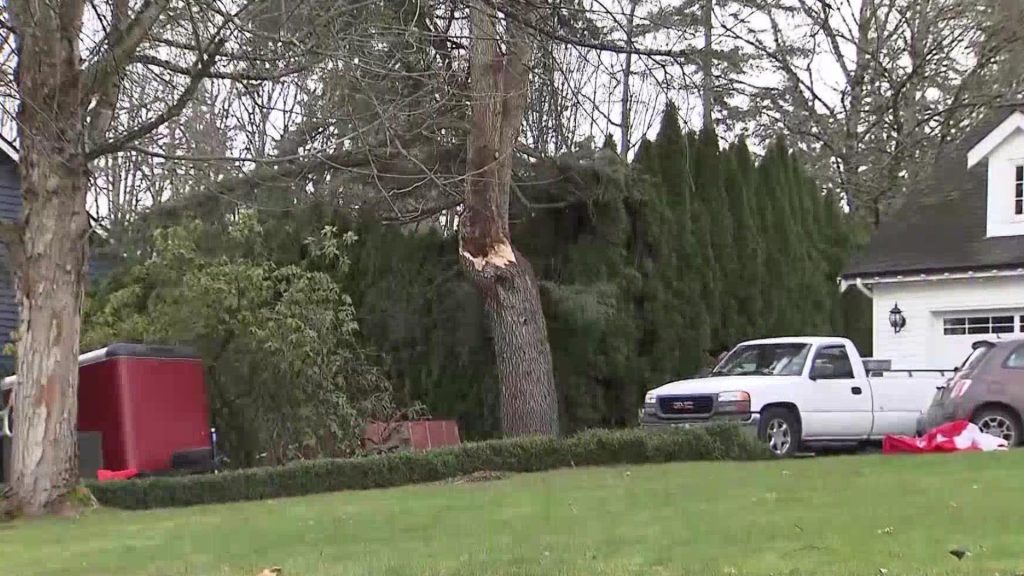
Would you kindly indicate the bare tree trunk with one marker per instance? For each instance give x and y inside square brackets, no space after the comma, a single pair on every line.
[51,256]
[529,404]
[707,65]
[852,150]
[627,72]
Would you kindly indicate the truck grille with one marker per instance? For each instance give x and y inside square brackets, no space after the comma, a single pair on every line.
[686,405]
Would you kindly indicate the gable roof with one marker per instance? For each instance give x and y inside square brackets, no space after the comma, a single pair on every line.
[942,225]
[1013,122]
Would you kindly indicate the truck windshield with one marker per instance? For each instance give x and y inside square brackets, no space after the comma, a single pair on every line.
[764,360]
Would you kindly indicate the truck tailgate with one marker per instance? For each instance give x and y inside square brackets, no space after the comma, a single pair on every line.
[899,400]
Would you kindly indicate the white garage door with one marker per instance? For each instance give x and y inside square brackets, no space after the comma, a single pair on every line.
[956,332]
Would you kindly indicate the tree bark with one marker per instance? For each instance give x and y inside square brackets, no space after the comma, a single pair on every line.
[52,254]
[627,74]
[851,150]
[529,404]
[707,65]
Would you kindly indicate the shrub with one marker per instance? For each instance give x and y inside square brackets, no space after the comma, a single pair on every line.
[535,454]
[287,373]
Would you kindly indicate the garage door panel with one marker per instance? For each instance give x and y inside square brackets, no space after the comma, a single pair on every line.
[954,333]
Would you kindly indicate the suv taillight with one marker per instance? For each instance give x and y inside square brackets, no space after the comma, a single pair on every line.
[960,388]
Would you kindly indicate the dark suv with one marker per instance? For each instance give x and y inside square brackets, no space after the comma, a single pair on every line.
[988,390]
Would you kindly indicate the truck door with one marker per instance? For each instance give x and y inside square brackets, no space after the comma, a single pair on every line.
[837,404]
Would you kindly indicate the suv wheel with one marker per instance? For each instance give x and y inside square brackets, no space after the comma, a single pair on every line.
[1000,423]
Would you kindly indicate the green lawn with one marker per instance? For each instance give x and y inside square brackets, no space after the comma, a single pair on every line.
[835,515]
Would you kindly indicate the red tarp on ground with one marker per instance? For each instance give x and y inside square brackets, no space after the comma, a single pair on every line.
[104,475]
[957,436]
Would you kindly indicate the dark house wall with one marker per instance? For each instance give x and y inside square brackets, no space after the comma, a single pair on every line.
[10,209]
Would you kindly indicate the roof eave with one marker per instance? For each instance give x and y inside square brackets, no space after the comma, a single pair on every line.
[9,150]
[847,280]
[993,139]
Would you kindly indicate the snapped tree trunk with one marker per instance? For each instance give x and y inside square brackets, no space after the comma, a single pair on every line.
[50,253]
[529,403]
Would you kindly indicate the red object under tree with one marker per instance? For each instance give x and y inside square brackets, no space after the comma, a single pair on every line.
[148,402]
[149,406]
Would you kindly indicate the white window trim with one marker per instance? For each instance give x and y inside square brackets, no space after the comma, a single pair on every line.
[1016,324]
[1017,192]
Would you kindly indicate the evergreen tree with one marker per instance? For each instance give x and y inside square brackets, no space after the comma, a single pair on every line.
[609,143]
[694,283]
[803,265]
[747,274]
[675,322]
[836,246]
[689,240]
[704,261]
[785,262]
[588,286]
[823,282]
[713,204]
[411,302]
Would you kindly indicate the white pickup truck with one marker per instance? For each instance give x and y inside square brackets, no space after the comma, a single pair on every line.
[799,393]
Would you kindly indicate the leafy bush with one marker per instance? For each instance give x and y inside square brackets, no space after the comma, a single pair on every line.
[288,376]
[535,454]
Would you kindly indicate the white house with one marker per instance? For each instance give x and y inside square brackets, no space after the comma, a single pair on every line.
[951,259]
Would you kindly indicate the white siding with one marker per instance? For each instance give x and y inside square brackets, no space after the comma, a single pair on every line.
[922,343]
[1002,165]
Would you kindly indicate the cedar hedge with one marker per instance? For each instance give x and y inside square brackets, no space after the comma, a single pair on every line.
[533,454]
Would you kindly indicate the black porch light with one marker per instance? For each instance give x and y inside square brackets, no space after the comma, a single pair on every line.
[896,319]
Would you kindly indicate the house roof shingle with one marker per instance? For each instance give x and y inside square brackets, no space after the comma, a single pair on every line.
[942,224]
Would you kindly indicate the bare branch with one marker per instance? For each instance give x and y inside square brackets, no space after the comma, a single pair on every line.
[124,42]
[202,68]
[236,75]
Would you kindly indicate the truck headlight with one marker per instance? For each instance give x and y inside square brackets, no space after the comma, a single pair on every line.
[648,408]
[734,401]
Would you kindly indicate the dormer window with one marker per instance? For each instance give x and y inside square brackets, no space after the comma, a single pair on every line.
[1018,192]
[1003,150]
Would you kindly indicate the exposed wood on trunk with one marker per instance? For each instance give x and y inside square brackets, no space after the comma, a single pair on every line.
[63,109]
[529,404]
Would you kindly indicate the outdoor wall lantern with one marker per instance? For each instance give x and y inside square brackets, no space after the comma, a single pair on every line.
[896,319]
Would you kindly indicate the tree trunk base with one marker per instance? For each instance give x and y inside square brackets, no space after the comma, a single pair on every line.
[529,401]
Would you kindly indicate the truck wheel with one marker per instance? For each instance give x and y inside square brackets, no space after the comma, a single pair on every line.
[780,429]
[1000,423]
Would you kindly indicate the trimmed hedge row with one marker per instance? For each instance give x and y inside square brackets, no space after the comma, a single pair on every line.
[593,448]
